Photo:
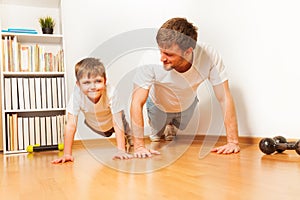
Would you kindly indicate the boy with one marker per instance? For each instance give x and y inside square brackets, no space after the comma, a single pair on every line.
[101,108]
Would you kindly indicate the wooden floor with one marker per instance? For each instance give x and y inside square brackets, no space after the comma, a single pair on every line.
[247,175]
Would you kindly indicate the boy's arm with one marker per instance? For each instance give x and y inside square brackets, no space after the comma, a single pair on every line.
[119,130]
[69,133]
[120,136]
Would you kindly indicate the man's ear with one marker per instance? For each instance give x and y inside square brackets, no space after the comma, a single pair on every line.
[188,51]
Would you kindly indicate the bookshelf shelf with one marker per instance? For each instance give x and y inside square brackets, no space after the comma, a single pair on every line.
[36,38]
[14,152]
[33,74]
[33,77]
[36,3]
[35,112]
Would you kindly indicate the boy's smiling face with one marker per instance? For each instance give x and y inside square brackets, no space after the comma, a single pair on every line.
[92,87]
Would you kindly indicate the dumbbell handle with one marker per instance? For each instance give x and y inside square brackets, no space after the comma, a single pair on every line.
[285,146]
[32,148]
[45,148]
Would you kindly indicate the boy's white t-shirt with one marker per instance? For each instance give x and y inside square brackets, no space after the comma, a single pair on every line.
[99,115]
[172,91]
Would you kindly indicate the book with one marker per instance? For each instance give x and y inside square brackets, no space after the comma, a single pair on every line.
[8,133]
[32,93]
[7,94]
[31,131]
[58,126]
[14,93]
[49,92]
[9,53]
[43,130]
[61,122]
[20,134]
[37,130]
[54,130]
[61,61]
[41,53]
[48,56]
[54,92]
[27,32]
[11,134]
[26,93]
[15,131]
[32,57]
[43,93]
[19,30]
[5,53]
[20,93]
[24,58]
[38,97]
[48,131]
[59,95]
[63,95]
[26,132]
[15,55]
[36,58]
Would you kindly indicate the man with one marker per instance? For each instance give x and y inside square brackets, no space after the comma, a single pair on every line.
[171,91]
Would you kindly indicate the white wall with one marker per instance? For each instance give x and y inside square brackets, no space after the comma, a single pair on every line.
[258,40]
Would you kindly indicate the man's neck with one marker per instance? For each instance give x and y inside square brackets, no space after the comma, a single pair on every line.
[188,64]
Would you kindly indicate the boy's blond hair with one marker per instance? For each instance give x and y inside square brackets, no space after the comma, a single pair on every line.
[90,67]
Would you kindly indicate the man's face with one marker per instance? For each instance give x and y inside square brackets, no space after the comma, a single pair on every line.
[173,58]
[92,87]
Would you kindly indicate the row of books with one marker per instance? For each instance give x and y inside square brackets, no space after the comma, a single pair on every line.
[22,93]
[19,57]
[24,131]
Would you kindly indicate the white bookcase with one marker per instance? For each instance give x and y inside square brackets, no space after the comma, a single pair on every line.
[33,76]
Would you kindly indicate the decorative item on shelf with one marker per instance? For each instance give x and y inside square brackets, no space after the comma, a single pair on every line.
[47,24]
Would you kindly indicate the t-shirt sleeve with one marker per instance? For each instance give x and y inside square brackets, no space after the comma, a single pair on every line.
[218,72]
[145,75]
[73,106]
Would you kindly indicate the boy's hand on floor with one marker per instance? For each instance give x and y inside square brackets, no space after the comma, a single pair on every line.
[65,158]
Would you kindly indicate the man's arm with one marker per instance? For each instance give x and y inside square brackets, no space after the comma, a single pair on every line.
[225,99]
[139,98]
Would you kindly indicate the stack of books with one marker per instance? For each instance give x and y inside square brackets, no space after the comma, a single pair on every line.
[20,30]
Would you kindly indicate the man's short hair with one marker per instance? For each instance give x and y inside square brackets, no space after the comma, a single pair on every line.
[177,31]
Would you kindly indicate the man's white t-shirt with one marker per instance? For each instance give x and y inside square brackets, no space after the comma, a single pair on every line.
[99,115]
[172,91]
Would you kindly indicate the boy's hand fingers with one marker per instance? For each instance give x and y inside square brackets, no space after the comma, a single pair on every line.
[63,159]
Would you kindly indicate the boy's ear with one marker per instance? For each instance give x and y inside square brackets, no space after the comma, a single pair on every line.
[77,83]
